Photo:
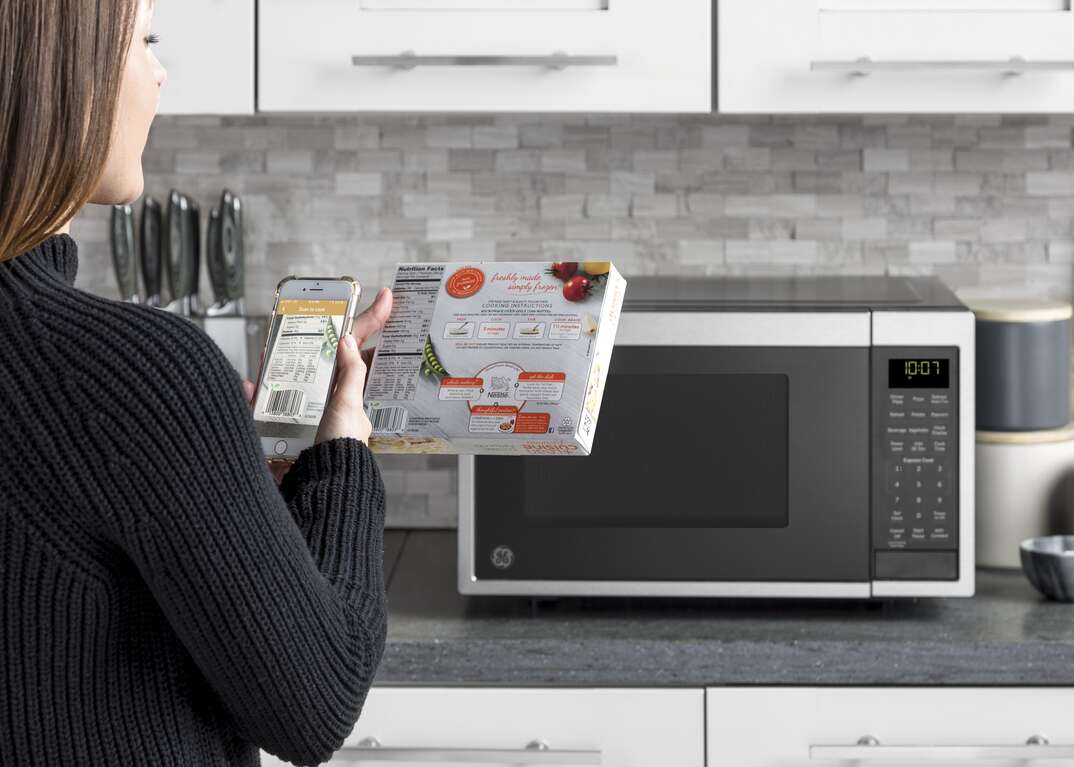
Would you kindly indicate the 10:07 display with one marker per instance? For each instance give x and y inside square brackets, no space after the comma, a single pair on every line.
[919,374]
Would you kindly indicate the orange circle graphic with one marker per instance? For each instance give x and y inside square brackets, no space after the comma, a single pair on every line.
[465,282]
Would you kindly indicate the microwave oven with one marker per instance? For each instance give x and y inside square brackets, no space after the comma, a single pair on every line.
[758,437]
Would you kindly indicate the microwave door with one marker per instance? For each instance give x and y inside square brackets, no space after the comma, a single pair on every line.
[735,464]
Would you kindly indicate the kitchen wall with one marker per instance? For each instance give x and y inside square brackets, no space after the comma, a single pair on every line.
[986,202]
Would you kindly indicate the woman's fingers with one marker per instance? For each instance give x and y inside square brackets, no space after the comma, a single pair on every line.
[350,373]
[345,416]
[372,319]
[248,391]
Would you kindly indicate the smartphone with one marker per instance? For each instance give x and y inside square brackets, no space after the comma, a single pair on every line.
[298,363]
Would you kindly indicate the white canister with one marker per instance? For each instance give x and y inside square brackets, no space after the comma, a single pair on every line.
[1020,482]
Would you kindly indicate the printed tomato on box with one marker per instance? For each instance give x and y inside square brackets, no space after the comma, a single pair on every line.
[494,358]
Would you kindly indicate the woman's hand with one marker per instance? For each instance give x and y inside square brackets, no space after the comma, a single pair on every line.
[345,415]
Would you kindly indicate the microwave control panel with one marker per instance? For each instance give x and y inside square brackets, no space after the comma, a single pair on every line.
[915,463]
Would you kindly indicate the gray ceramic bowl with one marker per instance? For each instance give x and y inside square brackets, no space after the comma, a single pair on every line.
[1049,564]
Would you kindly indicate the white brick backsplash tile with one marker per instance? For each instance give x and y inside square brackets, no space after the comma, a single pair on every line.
[1050,184]
[818,229]
[428,160]
[562,206]
[816,136]
[450,229]
[936,252]
[865,229]
[627,183]
[777,205]
[197,162]
[706,205]
[450,137]
[649,161]
[789,252]
[1061,252]
[886,160]
[425,205]
[563,161]
[496,137]
[654,206]
[701,252]
[747,158]
[1048,136]
[957,228]
[1003,230]
[725,135]
[357,137]
[359,183]
[449,183]
[606,206]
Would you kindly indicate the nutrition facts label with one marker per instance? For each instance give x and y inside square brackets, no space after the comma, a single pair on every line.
[401,345]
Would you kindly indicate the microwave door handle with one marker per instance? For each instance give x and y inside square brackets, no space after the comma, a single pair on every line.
[869,749]
[536,752]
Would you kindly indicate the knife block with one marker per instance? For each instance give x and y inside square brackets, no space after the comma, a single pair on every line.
[234,337]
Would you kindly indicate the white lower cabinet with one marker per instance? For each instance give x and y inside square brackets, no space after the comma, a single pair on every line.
[893,727]
[497,726]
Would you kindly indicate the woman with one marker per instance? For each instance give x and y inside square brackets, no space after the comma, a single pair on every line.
[162,602]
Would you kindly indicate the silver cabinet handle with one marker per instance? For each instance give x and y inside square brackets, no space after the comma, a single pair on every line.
[1014,66]
[557,60]
[535,753]
[870,749]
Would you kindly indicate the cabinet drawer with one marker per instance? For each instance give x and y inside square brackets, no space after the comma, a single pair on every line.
[486,55]
[895,56]
[788,727]
[620,728]
[207,46]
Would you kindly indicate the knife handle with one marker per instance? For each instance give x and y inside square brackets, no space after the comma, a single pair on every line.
[217,274]
[232,247]
[123,251]
[192,258]
[151,250]
[173,244]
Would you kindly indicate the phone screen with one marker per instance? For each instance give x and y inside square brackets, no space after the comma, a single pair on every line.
[301,358]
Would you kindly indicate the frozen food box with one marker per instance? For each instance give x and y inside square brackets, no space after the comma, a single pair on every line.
[494,358]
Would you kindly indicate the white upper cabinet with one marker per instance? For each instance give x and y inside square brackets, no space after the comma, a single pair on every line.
[937,56]
[207,46]
[486,55]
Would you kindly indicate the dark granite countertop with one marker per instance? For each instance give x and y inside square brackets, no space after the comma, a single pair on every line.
[1007,635]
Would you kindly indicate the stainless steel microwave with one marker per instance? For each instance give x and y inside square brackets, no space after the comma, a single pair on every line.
[807,437]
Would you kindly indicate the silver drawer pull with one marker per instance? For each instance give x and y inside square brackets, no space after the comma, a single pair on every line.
[411,60]
[535,753]
[1017,65]
[870,749]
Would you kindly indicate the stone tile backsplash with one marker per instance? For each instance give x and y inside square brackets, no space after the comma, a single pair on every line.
[986,202]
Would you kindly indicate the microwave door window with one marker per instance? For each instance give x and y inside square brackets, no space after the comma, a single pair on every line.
[673,450]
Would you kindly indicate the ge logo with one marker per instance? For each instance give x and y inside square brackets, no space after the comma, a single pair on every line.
[502,557]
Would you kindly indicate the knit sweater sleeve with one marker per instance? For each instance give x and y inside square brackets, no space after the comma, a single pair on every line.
[280,603]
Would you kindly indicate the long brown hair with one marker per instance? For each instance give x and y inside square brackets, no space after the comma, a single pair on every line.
[61,66]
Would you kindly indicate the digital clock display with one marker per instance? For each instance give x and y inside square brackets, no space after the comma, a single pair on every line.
[919,374]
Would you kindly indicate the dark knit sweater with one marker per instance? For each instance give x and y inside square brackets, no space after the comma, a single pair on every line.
[162,602]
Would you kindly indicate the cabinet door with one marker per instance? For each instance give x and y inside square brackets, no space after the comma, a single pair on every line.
[895,56]
[621,728]
[207,46]
[893,727]
[486,55]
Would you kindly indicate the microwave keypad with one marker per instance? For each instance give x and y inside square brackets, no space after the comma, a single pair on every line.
[918,510]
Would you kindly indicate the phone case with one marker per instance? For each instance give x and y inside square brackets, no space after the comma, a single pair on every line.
[348,323]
